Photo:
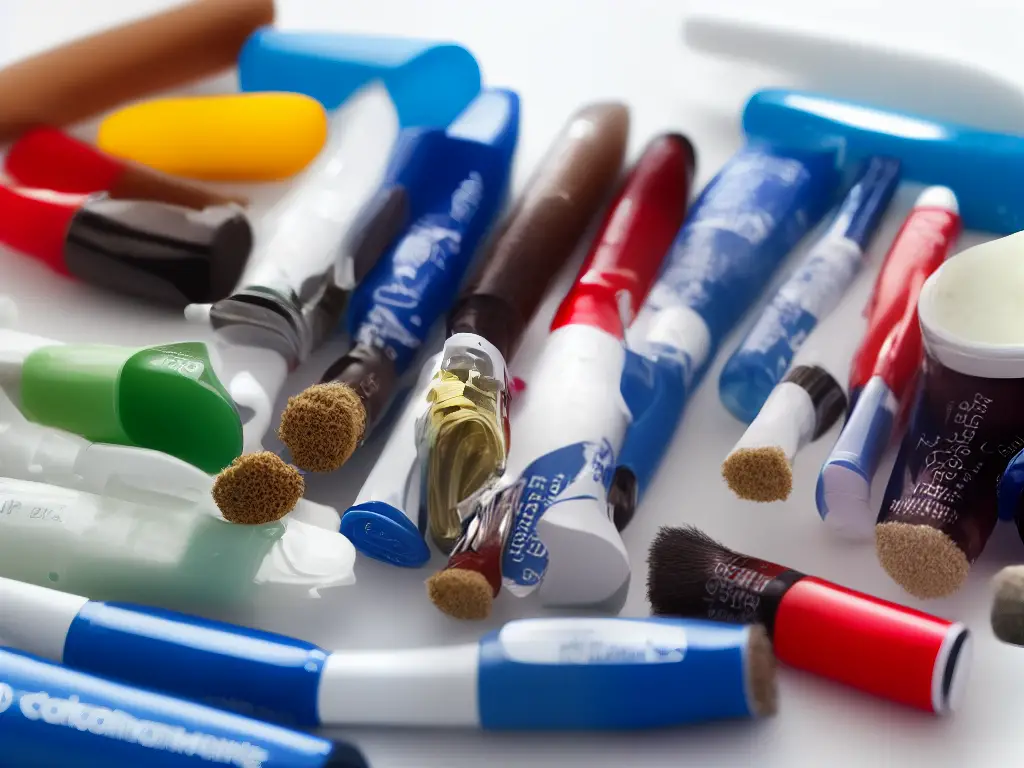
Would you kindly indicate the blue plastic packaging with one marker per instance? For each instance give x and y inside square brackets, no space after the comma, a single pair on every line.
[742,226]
[457,181]
[430,82]
[983,168]
[54,716]
[810,293]
[604,674]
[1011,489]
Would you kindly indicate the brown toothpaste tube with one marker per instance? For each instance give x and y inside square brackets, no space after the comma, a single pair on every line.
[83,78]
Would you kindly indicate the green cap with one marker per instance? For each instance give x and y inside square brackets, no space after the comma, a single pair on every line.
[167,398]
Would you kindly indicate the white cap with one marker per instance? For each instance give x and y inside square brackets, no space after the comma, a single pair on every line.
[305,560]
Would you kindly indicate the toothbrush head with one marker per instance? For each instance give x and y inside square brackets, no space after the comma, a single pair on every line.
[257,488]
[322,426]
[759,474]
[461,593]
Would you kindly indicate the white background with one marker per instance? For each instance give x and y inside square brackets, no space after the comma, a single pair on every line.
[559,54]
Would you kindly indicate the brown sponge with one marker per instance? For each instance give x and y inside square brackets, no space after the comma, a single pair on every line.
[257,488]
[323,426]
[759,474]
[461,593]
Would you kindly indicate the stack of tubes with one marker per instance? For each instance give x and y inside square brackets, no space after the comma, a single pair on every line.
[397,223]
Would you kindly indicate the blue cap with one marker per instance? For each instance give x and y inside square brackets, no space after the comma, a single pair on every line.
[429,82]
[864,205]
[380,531]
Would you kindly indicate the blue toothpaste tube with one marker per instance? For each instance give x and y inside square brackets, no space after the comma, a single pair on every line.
[745,222]
[532,674]
[430,82]
[809,294]
[981,167]
[51,715]
[443,191]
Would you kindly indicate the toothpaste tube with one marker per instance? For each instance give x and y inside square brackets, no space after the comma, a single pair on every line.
[531,674]
[572,419]
[739,230]
[309,255]
[51,715]
[885,367]
[169,551]
[464,439]
[809,294]
[460,175]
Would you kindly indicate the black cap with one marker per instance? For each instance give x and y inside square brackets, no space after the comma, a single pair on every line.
[165,253]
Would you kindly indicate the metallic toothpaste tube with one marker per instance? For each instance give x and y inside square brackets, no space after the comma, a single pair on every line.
[531,674]
[744,223]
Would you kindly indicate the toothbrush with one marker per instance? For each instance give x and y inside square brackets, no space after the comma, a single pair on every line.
[570,424]
[310,253]
[56,716]
[744,223]
[462,176]
[531,674]
[463,431]
[885,365]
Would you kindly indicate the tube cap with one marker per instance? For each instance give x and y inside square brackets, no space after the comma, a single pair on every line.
[35,222]
[164,253]
[166,398]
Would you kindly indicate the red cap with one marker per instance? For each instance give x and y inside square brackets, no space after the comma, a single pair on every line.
[892,346]
[634,238]
[878,647]
[47,158]
[35,222]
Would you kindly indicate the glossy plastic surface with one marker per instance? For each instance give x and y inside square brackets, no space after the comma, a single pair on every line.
[430,82]
[979,166]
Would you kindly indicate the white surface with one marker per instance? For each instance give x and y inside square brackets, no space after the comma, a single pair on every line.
[559,54]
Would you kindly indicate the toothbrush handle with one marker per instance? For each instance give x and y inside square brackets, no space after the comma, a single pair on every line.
[540,234]
[636,234]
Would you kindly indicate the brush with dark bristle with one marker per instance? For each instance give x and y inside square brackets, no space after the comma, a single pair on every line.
[1008,605]
[322,426]
[257,488]
[679,563]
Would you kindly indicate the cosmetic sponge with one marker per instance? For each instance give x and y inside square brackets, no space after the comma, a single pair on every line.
[322,426]
[461,593]
[257,488]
